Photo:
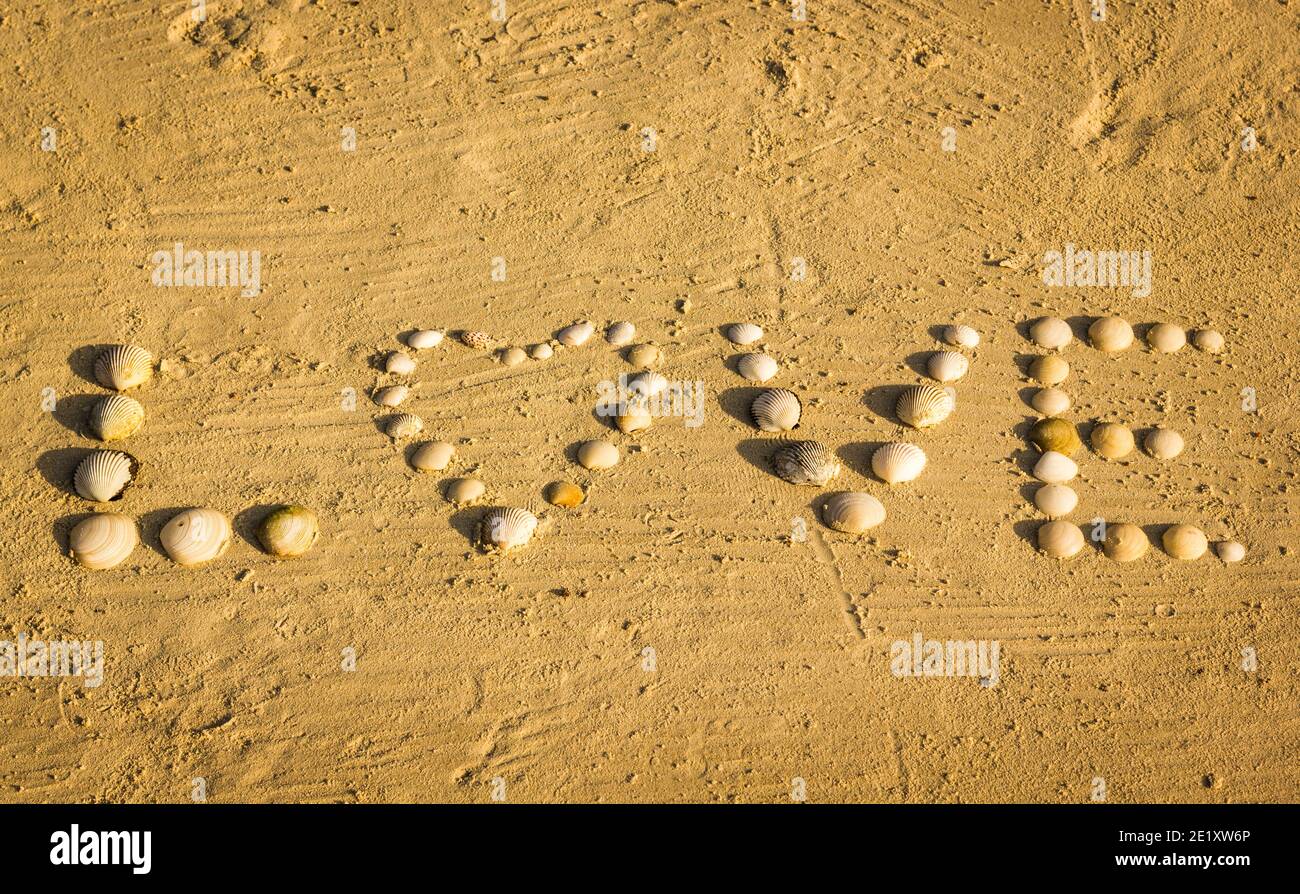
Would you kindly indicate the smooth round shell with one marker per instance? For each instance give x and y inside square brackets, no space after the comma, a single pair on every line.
[1230,551]
[961,336]
[463,491]
[853,513]
[645,356]
[512,356]
[289,531]
[597,455]
[744,333]
[1055,500]
[947,366]
[391,396]
[1055,434]
[757,367]
[400,363]
[404,425]
[575,335]
[1124,542]
[1110,334]
[432,456]
[633,417]
[503,530]
[898,462]
[1060,539]
[123,366]
[1055,468]
[922,406]
[776,409]
[1111,440]
[1049,369]
[195,536]
[1184,542]
[104,475]
[541,351]
[423,339]
[806,462]
[565,494]
[1050,401]
[1163,443]
[479,341]
[1052,333]
[116,417]
[621,333]
[1166,338]
[1208,340]
[103,540]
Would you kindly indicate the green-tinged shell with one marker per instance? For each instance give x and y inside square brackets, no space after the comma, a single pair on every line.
[1056,434]
[289,531]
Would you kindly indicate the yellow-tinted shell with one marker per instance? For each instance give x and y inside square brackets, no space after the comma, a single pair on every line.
[116,417]
[1184,542]
[1112,440]
[122,367]
[565,494]
[195,536]
[922,406]
[1049,369]
[1055,434]
[289,531]
[103,540]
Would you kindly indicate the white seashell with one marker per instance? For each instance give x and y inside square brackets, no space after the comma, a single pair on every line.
[1051,333]
[1230,551]
[619,334]
[403,425]
[542,351]
[289,531]
[961,336]
[597,455]
[124,366]
[806,462]
[1110,334]
[645,356]
[1184,542]
[898,462]
[423,339]
[1051,401]
[512,356]
[575,335]
[1055,468]
[115,417]
[853,513]
[400,363]
[947,366]
[757,367]
[1060,539]
[502,530]
[480,341]
[1208,340]
[432,456]
[1166,338]
[463,491]
[195,536]
[104,475]
[1049,369]
[391,396]
[744,333]
[1163,443]
[1055,500]
[922,406]
[103,540]
[646,384]
[776,410]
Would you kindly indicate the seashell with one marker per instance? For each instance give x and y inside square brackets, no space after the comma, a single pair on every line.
[1166,338]
[853,513]
[757,367]
[1125,542]
[1052,333]
[122,367]
[947,366]
[776,410]
[403,425]
[1051,401]
[542,351]
[103,540]
[391,396]
[565,494]
[1055,468]
[104,475]
[423,339]
[1110,334]
[619,334]
[399,363]
[961,336]
[463,491]
[1208,340]
[289,531]
[1055,500]
[744,333]
[597,455]
[575,335]
[1184,542]
[806,462]
[502,530]
[646,384]
[195,536]
[922,406]
[1230,551]
[1112,440]
[1055,434]
[897,462]
[480,341]
[645,356]
[1060,539]
[1049,369]
[116,417]
[634,416]
[432,456]
[1163,443]
[512,356]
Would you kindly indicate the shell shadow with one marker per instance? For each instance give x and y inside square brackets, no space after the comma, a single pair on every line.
[247,522]
[1027,491]
[466,522]
[735,402]
[151,525]
[56,466]
[758,452]
[1027,393]
[918,362]
[377,360]
[1079,326]
[1026,458]
[1027,530]
[857,456]
[936,332]
[61,529]
[1022,328]
[82,362]
[1024,361]
[73,413]
[882,399]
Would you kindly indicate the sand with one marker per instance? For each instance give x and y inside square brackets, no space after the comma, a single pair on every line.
[679,636]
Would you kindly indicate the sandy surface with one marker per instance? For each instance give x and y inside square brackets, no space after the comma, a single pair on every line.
[774,139]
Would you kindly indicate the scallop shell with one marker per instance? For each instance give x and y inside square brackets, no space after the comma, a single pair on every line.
[1052,333]
[195,536]
[104,475]
[806,462]
[1184,542]
[645,356]
[512,356]
[619,334]
[391,396]
[1051,401]
[289,531]
[757,367]
[1125,542]
[897,462]
[473,338]
[853,513]
[646,384]
[502,530]
[1166,338]
[432,456]
[103,540]
[1112,440]
[776,410]
[1055,468]
[403,425]
[1208,340]
[463,491]
[1060,539]
[961,336]
[947,366]
[1110,334]
[541,351]
[1050,369]
[597,455]
[400,363]
[1056,500]
[116,417]
[423,339]
[122,367]
[922,406]
[1230,551]
[744,333]
[575,335]
[1055,434]
[1163,443]
[565,494]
